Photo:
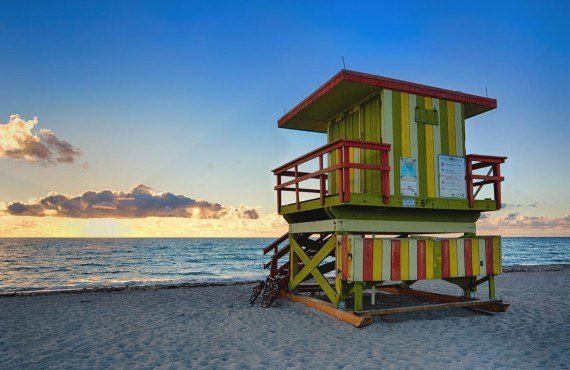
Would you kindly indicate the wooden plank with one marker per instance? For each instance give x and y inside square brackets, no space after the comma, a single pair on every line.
[329,309]
[404,259]
[413,260]
[357,257]
[377,260]
[395,275]
[388,131]
[494,307]
[428,307]
[368,259]
[386,259]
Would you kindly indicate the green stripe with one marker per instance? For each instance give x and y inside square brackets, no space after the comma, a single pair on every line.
[422,163]
[463,128]
[437,259]
[443,126]
[397,129]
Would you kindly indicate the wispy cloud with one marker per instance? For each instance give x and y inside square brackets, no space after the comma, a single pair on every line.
[139,202]
[19,140]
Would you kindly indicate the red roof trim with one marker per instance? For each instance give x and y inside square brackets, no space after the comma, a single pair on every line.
[391,84]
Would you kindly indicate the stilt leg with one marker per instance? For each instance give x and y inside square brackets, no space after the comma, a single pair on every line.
[491,286]
[358,296]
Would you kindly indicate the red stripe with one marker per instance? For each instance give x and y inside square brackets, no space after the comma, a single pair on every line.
[344,246]
[421,259]
[368,257]
[489,254]
[467,258]
[395,260]
[445,268]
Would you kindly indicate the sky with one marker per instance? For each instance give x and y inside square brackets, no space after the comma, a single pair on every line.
[178,102]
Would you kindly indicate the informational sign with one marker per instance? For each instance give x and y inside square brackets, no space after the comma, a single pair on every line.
[408,202]
[408,177]
[452,177]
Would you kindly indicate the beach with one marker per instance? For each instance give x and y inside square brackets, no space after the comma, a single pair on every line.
[214,326]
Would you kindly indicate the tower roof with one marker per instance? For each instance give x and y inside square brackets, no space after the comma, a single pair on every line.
[349,87]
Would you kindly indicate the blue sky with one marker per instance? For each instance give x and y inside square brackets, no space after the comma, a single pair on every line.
[158,93]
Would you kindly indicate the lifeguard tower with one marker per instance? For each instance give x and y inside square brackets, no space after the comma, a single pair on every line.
[364,208]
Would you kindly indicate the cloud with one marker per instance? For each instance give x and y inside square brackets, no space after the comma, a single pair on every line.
[19,140]
[515,223]
[139,202]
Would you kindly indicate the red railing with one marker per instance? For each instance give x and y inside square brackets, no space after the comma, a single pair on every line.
[343,165]
[493,176]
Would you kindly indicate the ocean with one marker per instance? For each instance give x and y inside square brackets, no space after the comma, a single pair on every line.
[59,264]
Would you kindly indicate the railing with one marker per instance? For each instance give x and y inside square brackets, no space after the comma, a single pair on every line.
[341,150]
[493,176]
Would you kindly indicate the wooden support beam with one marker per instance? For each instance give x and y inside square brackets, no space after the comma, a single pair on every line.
[329,309]
[311,267]
[496,306]
[428,307]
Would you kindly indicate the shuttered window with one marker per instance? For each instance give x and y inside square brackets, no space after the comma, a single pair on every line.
[427,116]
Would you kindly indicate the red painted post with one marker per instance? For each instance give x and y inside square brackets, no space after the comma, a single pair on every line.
[497,184]
[469,179]
[278,193]
[385,176]
[321,181]
[346,173]
[297,187]
[340,174]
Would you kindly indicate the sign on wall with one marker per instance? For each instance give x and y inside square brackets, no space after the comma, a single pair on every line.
[408,177]
[451,176]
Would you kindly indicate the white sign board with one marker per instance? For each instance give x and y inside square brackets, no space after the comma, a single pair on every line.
[408,177]
[452,177]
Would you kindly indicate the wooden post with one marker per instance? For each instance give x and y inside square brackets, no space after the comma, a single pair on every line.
[346,174]
[385,177]
[297,188]
[293,261]
[358,296]
[278,194]
[340,174]
[470,183]
[497,184]
[322,181]
[491,286]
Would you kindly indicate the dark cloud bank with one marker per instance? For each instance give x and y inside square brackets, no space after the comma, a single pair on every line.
[140,202]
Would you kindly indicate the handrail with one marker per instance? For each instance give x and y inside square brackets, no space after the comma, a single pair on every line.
[275,244]
[342,146]
[476,162]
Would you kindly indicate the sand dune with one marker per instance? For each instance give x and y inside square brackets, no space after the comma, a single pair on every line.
[216,327]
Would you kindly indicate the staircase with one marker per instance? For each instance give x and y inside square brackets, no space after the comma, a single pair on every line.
[278,265]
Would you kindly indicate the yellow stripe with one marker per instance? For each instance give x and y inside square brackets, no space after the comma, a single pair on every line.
[429,259]
[349,248]
[404,260]
[377,260]
[496,256]
[475,256]
[453,258]
[451,127]
[429,154]
[405,117]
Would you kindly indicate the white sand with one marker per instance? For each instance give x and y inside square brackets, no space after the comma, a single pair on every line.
[216,327]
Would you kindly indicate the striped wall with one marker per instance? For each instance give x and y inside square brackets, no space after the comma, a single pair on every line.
[389,117]
[383,259]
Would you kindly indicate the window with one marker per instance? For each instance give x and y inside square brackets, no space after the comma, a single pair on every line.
[427,116]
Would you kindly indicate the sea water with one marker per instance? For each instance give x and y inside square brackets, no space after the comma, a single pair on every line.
[58,264]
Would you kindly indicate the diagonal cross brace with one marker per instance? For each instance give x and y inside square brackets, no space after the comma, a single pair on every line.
[311,267]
